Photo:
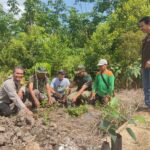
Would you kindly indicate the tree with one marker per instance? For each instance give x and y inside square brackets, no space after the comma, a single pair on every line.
[14,6]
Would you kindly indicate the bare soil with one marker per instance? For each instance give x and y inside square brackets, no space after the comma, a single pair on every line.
[56,130]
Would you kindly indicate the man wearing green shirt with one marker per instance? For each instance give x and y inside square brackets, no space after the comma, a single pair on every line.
[103,86]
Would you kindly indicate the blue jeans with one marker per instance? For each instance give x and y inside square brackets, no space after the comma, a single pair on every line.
[146,85]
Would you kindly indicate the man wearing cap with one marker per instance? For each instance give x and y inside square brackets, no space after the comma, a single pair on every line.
[83,81]
[9,94]
[60,86]
[39,88]
[103,86]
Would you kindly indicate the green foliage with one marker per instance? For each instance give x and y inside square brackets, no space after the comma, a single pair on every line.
[112,118]
[64,37]
[46,118]
[77,111]
[43,103]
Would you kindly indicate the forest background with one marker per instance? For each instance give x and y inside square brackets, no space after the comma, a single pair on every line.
[64,37]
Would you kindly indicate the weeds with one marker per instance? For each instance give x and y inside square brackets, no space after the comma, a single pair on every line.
[77,111]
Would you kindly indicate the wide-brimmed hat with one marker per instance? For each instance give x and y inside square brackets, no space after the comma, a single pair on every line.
[41,70]
[102,62]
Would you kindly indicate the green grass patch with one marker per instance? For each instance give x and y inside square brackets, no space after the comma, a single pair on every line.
[77,111]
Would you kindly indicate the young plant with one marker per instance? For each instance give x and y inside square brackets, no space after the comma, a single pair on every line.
[112,118]
[77,111]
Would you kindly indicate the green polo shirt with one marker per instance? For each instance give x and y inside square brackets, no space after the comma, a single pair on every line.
[99,85]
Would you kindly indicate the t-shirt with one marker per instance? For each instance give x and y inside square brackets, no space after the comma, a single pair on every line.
[39,83]
[99,85]
[60,85]
[84,80]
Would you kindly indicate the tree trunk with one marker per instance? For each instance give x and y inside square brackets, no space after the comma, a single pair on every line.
[118,143]
[105,146]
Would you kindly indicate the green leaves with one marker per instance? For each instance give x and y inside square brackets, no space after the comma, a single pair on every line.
[77,111]
[131,133]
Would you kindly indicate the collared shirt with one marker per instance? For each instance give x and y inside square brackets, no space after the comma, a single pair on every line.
[8,93]
[146,50]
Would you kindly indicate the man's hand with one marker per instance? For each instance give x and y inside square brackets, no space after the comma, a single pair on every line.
[50,102]
[147,64]
[37,103]
[28,111]
[74,99]
[93,96]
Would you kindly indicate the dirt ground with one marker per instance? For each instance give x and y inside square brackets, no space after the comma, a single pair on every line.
[56,130]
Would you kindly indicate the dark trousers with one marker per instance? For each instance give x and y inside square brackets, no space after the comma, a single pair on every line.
[146,85]
[5,110]
[97,98]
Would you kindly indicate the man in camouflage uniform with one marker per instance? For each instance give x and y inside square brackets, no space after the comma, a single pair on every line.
[39,88]
[83,81]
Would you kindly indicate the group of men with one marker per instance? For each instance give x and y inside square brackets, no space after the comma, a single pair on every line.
[82,89]
[61,90]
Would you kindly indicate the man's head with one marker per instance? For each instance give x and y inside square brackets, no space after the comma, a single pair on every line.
[61,74]
[102,64]
[18,73]
[41,72]
[144,24]
[81,70]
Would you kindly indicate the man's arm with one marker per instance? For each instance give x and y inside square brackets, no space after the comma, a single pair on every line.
[94,88]
[49,90]
[13,96]
[111,84]
[80,92]
[31,91]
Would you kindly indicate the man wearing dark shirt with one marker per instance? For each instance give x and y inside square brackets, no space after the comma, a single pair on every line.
[145,27]
[83,81]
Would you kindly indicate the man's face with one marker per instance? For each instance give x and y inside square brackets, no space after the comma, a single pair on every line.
[144,27]
[102,68]
[18,74]
[61,76]
[81,73]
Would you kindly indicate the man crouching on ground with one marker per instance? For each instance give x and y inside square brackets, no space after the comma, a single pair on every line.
[9,94]
[39,88]
[103,86]
[83,81]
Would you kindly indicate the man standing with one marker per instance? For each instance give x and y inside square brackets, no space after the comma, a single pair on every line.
[144,24]
[103,86]
[60,86]
[9,93]
[39,88]
[83,81]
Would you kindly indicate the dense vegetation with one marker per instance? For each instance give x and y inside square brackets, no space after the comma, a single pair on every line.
[64,37]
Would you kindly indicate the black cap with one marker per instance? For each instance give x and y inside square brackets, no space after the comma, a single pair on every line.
[61,72]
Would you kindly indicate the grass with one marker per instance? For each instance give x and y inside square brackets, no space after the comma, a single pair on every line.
[77,111]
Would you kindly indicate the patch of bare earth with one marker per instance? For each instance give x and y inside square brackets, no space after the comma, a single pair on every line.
[56,130]
[132,99]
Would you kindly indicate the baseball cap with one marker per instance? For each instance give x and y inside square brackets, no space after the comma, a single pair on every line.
[61,72]
[102,62]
